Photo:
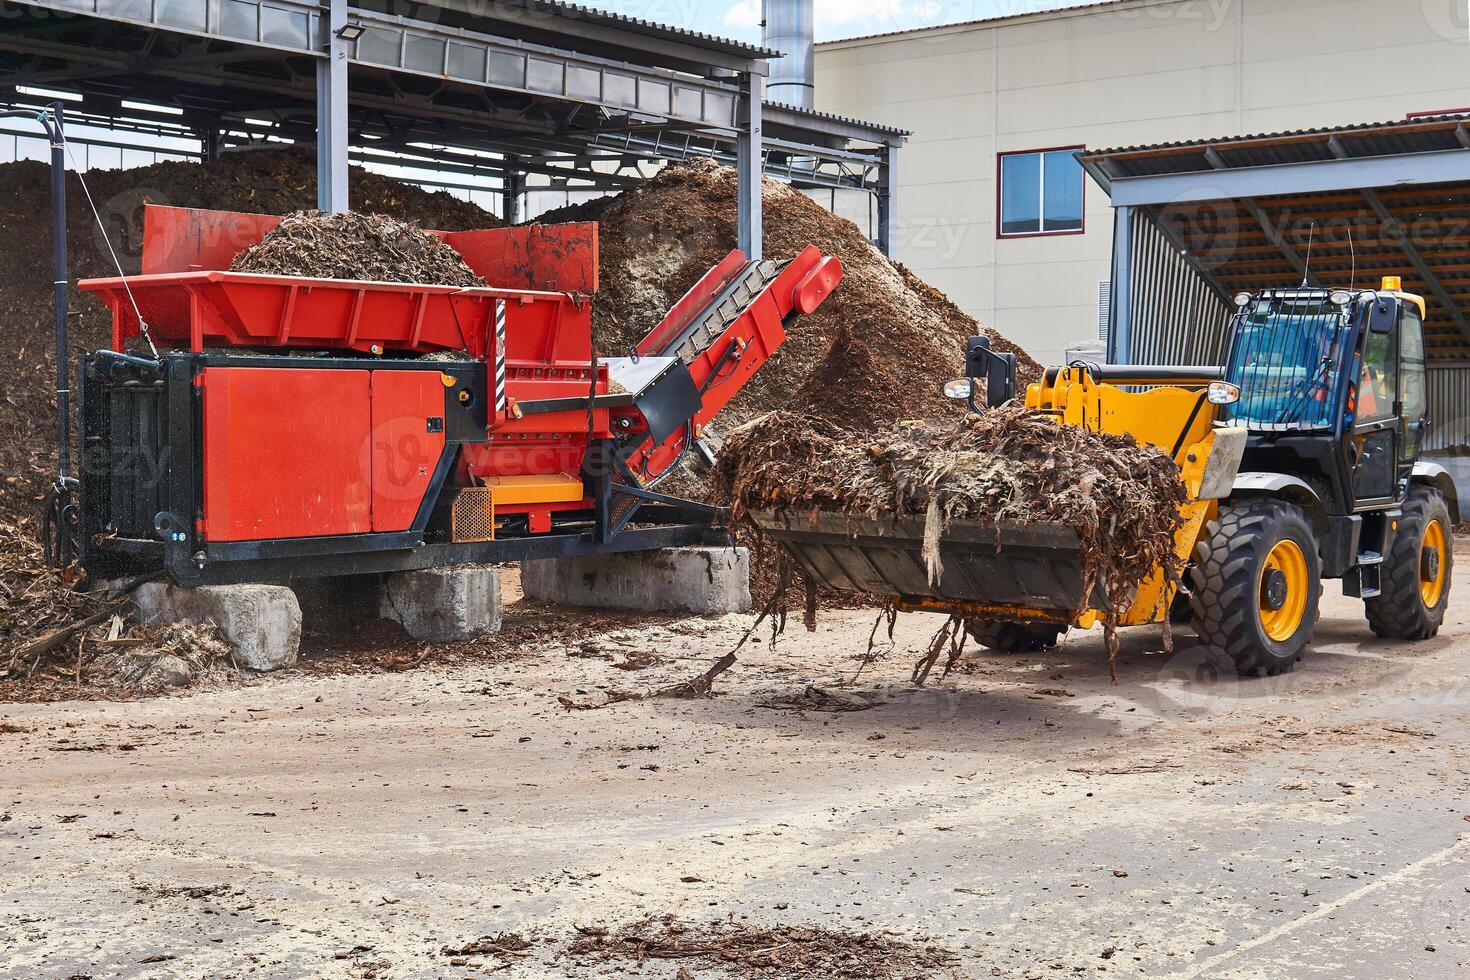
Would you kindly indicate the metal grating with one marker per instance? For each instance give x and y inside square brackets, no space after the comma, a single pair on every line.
[472,518]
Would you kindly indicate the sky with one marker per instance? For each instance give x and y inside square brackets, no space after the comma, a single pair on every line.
[740,19]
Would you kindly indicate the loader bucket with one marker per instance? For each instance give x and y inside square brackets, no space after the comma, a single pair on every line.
[1032,573]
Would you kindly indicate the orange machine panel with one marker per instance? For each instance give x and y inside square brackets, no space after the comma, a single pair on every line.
[283,453]
[407,441]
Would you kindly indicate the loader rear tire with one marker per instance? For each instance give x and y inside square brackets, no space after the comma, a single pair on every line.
[1417,571]
[1015,637]
[1257,586]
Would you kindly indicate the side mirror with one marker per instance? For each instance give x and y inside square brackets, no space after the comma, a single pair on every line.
[1383,315]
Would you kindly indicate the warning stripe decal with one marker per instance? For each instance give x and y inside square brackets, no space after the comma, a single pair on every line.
[501,398]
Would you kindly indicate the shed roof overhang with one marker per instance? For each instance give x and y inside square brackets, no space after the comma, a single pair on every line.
[579,95]
[1332,207]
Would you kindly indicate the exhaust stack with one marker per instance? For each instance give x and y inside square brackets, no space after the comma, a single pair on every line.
[790,27]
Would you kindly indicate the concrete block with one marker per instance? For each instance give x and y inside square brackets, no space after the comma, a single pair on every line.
[702,581]
[262,621]
[444,605]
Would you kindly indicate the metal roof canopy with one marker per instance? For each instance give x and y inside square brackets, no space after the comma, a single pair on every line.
[577,97]
[1363,201]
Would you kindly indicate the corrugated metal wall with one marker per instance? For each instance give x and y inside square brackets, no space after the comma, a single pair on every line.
[1177,318]
[1449,408]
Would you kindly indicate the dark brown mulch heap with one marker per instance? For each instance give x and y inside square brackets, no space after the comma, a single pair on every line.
[788,952]
[354,245]
[878,351]
[262,182]
[59,643]
[1010,465]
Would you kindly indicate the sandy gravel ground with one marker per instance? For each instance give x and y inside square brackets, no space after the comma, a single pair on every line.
[1025,812]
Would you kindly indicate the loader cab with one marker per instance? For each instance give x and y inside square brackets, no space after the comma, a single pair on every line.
[1331,386]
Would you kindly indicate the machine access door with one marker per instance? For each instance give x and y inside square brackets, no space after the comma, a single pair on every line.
[1377,426]
[283,453]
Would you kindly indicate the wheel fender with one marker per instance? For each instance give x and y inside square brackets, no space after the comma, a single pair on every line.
[1437,477]
[1280,486]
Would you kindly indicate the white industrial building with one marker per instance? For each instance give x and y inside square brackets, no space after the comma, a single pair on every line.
[994,207]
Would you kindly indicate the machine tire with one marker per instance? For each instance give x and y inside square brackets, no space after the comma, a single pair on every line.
[1015,637]
[1234,601]
[1412,606]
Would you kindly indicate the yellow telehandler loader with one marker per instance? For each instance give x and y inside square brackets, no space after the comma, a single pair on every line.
[1301,460]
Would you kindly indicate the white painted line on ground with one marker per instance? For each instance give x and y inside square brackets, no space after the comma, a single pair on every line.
[1211,965]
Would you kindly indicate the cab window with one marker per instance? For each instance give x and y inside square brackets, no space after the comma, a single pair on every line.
[1378,382]
[1416,393]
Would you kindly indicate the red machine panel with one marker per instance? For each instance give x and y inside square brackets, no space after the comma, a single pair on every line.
[192,240]
[556,258]
[407,441]
[283,453]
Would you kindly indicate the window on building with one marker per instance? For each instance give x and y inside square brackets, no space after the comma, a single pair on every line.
[1041,193]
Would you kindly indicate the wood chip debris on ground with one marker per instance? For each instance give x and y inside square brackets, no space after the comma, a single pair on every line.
[55,640]
[1008,466]
[356,246]
[786,952]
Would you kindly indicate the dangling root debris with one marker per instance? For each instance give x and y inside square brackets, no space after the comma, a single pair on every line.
[952,637]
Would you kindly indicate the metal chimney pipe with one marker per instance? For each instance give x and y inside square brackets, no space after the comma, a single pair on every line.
[790,27]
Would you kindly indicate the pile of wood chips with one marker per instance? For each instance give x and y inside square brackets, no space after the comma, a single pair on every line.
[789,952]
[1007,466]
[878,351]
[351,245]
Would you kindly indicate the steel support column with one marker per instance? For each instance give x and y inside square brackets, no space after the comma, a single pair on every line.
[1120,331]
[750,166]
[513,190]
[887,198]
[331,114]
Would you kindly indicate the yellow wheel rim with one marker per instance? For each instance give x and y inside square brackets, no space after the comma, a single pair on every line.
[1433,564]
[1283,591]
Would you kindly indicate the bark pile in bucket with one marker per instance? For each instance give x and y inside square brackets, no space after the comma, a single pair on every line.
[1008,466]
[367,247]
[877,352]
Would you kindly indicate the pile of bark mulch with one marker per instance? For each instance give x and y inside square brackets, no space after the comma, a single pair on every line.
[59,643]
[1009,466]
[787,952]
[262,182]
[878,351]
[359,246]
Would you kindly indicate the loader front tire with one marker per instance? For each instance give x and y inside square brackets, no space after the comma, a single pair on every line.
[1257,586]
[1015,637]
[1417,571]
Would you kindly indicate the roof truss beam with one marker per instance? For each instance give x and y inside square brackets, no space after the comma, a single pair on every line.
[283,25]
[676,54]
[1394,227]
[1357,173]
